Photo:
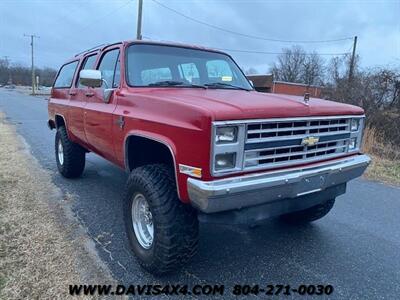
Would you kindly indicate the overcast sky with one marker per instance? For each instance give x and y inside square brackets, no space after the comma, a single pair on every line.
[68,27]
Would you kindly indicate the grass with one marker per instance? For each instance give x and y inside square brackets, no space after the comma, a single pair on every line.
[384,170]
[385,164]
[42,249]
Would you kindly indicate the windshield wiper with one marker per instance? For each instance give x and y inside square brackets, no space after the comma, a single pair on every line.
[176,83]
[228,85]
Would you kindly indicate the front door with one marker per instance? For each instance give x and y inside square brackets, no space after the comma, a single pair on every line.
[98,112]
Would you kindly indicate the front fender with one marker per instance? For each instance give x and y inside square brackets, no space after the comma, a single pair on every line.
[180,179]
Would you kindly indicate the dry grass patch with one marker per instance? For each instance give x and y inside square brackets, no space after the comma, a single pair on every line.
[385,164]
[384,170]
[42,250]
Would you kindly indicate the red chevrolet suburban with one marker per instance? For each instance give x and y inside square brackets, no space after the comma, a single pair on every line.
[199,143]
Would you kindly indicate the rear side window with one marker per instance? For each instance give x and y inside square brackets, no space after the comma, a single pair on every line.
[90,61]
[88,64]
[65,76]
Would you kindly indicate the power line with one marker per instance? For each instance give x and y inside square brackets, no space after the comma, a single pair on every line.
[276,53]
[249,35]
[104,16]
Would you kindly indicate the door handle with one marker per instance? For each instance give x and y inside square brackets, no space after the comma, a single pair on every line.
[89,94]
[72,93]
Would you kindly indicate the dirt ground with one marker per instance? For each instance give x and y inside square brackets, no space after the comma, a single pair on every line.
[43,248]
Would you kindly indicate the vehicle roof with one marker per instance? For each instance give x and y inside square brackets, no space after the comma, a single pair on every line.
[126,42]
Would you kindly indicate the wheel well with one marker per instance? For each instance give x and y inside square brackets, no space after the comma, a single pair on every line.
[140,151]
[59,121]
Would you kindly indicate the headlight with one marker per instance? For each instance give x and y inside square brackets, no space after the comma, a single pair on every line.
[355,123]
[226,135]
[356,133]
[227,147]
[225,161]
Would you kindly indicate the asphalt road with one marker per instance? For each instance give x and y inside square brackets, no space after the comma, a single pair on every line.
[356,248]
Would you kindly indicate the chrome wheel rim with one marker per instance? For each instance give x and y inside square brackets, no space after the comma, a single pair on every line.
[142,221]
[60,152]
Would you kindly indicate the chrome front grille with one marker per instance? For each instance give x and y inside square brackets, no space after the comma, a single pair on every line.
[280,142]
[293,128]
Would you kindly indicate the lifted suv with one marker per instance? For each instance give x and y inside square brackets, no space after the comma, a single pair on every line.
[199,143]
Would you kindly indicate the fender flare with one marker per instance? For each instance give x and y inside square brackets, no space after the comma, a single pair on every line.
[155,139]
[65,122]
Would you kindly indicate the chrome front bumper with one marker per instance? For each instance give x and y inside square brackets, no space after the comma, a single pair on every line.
[255,189]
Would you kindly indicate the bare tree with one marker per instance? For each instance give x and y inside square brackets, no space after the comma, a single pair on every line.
[313,70]
[296,65]
[289,65]
[4,73]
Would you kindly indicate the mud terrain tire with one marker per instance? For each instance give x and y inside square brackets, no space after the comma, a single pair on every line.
[175,224]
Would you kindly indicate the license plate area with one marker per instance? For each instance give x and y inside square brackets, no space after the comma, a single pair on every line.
[310,185]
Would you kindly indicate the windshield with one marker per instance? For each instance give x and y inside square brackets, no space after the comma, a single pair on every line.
[155,65]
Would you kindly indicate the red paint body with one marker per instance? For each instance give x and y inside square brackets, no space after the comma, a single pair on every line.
[179,117]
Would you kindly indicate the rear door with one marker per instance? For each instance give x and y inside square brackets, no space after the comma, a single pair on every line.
[98,113]
[59,101]
[78,100]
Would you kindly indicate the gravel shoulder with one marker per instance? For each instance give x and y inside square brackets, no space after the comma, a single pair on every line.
[43,248]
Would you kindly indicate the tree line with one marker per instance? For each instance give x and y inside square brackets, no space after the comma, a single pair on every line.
[21,75]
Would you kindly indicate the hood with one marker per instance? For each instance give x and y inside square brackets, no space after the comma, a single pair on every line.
[226,104]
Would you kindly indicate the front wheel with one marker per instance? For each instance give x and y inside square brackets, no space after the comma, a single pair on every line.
[310,214]
[162,231]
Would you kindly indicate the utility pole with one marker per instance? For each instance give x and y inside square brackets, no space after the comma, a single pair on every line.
[139,20]
[32,36]
[352,60]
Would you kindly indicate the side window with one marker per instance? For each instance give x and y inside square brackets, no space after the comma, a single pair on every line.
[117,75]
[88,64]
[189,72]
[65,76]
[107,67]
[154,75]
[219,70]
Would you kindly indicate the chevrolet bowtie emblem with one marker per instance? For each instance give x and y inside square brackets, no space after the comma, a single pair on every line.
[310,141]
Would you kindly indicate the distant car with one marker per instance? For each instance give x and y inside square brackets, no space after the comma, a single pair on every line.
[199,143]
[10,86]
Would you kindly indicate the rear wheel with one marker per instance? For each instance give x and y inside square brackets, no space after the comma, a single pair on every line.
[162,231]
[310,214]
[70,157]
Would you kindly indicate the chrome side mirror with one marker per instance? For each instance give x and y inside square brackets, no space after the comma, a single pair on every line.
[90,78]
